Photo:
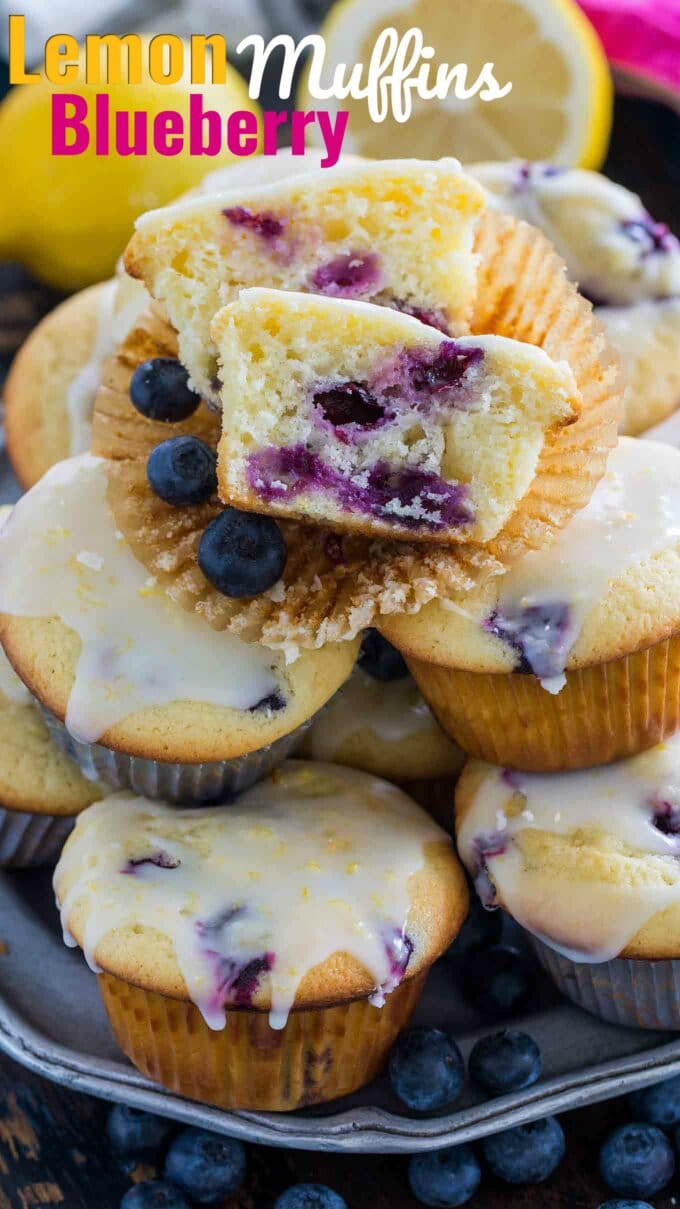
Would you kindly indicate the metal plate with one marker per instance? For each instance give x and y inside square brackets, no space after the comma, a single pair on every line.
[52,1021]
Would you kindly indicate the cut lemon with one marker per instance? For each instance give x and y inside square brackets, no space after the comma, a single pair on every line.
[560,105]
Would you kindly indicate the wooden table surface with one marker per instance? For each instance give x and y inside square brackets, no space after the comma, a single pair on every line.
[53,1149]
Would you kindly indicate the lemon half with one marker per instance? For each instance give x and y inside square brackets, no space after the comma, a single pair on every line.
[561,102]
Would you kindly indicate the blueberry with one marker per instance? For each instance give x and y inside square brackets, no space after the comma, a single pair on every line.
[658,1104]
[183,471]
[625,1205]
[349,403]
[426,1069]
[380,659]
[159,390]
[445,1177]
[310,1196]
[636,1160]
[498,981]
[242,554]
[506,1061]
[154,1194]
[134,1133]
[481,928]
[526,1154]
[206,1166]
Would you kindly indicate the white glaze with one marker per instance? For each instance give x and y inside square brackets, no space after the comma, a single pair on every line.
[319,859]
[581,212]
[268,169]
[633,513]
[120,303]
[62,556]
[591,920]
[392,711]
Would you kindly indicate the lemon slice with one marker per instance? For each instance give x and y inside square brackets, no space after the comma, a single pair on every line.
[560,105]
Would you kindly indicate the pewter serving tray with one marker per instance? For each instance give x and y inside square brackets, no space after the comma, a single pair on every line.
[53,1022]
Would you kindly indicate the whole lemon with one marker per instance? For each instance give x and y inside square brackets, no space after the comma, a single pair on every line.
[68,218]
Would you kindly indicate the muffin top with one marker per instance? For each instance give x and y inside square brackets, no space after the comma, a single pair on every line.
[608,585]
[384,727]
[587,861]
[614,250]
[319,885]
[103,646]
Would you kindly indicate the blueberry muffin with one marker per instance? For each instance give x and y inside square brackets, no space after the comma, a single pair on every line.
[398,233]
[587,862]
[572,658]
[359,418]
[624,261]
[264,956]
[143,692]
[378,722]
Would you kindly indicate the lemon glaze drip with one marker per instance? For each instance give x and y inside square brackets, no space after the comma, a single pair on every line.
[62,556]
[316,860]
[587,920]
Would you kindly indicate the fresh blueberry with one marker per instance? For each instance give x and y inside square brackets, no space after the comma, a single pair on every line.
[154,1194]
[310,1196]
[506,1061]
[526,1154]
[206,1166]
[380,659]
[183,471]
[658,1104]
[426,1069]
[242,554]
[134,1133]
[618,1204]
[159,390]
[481,928]
[636,1160]
[445,1177]
[497,981]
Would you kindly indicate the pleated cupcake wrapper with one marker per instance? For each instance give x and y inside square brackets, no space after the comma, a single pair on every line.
[603,713]
[321,1054]
[177,783]
[28,840]
[637,994]
[523,293]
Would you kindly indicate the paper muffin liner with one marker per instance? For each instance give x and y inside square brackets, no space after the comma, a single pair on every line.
[605,712]
[28,840]
[638,994]
[333,586]
[319,1055]
[182,784]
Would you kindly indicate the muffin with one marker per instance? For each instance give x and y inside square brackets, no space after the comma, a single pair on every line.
[624,261]
[353,416]
[51,387]
[395,232]
[334,585]
[379,723]
[572,658]
[587,862]
[264,956]
[144,693]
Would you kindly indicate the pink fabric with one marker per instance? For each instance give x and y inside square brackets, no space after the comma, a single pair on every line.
[643,35]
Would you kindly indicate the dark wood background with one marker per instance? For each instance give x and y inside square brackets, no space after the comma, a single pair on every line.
[53,1148]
